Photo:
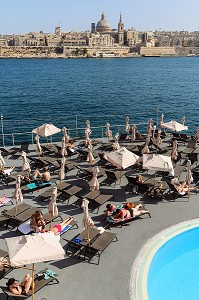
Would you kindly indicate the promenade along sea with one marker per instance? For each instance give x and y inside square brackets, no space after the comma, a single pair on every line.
[70,91]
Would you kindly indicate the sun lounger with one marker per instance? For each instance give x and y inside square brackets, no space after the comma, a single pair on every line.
[176,194]
[25,227]
[113,176]
[34,186]
[6,269]
[7,214]
[14,221]
[96,199]
[113,222]
[81,240]
[68,193]
[39,284]
[99,245]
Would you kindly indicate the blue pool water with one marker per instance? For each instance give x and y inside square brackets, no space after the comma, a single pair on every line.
[174,271]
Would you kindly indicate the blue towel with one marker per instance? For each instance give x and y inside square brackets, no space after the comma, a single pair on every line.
[33,186]
[77,240]
[65,229]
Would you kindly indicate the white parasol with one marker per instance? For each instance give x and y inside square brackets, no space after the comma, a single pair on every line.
[161,120]
[108,131]
[94,183]
[63,150]
[18,196]
[183,120]
[174,126]
[157,162]
[62,169]
[25,165]
[127,126]
[189,177]
[30,249]
[122,158]
[38,146]
[65,134]
[174,152]
[133,133]
[52,207]
[2,161]
[46,130]
[86,221]
[90,157]
[145,150]
[150,128]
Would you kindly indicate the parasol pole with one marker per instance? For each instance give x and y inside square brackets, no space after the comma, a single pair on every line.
[88,236]
[33,284]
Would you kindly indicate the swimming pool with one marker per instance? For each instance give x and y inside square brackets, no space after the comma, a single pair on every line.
[167,267]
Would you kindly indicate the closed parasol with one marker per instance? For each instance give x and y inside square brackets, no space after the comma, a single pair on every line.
[94,183]
[86,221]
[38,146]
[2,161]
[108,131]
[90,157]
[52,207]
[25,165]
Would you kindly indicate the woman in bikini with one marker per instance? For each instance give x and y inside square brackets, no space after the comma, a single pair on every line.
[20,288]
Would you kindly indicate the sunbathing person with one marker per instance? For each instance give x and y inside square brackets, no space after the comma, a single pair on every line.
[20,288]
[2,199]
[110,208]
[182,188]
[127,212]
[59,227]
[45,176]
[37,222]
[7,171]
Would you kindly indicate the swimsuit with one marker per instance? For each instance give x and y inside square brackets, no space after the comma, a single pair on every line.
[58,227]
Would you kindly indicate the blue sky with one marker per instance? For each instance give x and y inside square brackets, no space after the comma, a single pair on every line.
[22,16]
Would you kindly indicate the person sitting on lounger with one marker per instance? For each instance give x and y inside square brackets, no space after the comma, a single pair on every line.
[45,176]
[20,288]
[37,222]
[110,209]
[182,188]
[129,212]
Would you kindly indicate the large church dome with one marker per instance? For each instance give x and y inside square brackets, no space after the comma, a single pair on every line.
[103,25]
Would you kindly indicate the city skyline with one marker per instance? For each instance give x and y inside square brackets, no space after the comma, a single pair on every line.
[24,16]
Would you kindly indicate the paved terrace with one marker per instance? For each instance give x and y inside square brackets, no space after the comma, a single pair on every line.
[111,278]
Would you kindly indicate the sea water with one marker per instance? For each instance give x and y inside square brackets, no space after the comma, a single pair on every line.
[67,92]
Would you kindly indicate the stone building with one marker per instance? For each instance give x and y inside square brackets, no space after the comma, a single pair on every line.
[103,25]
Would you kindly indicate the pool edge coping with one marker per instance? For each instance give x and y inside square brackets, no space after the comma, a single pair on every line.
[140,267]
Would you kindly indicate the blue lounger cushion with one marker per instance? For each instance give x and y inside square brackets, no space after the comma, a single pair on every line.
[66,228]
[33,185]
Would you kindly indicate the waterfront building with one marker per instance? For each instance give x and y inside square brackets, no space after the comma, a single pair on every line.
[98,40]
[121,32]
[103,25]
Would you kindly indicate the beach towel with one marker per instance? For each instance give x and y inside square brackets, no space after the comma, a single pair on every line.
[33,185]
[25,228]
[5,201]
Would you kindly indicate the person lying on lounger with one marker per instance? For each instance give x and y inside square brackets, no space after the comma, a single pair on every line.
[182,188]
[37,222]
[20,288]
[7,171]
[59,227]
[129,212]
[2,199]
